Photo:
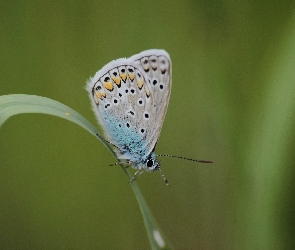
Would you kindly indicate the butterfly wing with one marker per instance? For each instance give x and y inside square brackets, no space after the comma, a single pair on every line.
[157,67]
[129,107]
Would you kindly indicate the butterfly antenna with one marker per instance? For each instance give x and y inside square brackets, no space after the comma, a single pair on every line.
[163,176]
[184,158]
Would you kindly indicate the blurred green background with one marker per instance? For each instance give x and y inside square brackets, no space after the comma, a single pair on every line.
[233,102]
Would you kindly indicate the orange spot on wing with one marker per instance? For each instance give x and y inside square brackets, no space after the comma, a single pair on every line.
[116,80]
[96,99]
[147,91]
[123,76]
[108,86]
[131,76]
[99,95]
[140,83]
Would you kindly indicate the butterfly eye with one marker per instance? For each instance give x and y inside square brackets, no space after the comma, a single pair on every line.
[150,163]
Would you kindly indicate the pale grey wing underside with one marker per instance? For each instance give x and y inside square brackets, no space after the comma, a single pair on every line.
[130,98]
[157,67]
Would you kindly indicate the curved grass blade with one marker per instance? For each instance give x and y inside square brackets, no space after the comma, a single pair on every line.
[11,105]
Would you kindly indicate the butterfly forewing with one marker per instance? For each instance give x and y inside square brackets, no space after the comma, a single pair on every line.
[156,65]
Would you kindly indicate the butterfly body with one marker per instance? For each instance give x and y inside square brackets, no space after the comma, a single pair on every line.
[130,98]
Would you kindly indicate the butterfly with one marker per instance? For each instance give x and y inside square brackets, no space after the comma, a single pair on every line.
[130,97]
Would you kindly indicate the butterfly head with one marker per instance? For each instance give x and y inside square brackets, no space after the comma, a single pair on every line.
[151,164]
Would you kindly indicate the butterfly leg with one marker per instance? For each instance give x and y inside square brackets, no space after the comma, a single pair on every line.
[123,162]
[136,175]
[103,139]
[118,163]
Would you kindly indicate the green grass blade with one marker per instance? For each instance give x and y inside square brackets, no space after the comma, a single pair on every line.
[11,105]
[270,143]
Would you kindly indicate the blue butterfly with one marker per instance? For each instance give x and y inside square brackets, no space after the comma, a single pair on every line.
[130,97]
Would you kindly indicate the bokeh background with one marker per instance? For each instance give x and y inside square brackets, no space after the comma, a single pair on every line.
[233,102]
